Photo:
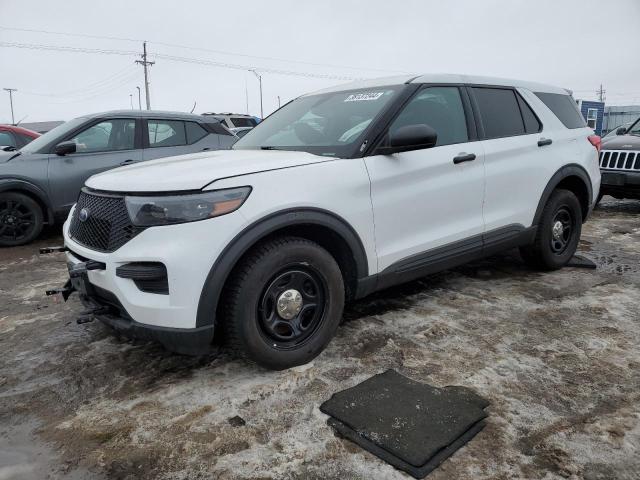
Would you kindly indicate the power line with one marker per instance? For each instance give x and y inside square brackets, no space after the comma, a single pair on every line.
[60,48]
[202,49]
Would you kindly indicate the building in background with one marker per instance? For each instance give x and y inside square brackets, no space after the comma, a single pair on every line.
[617,116]
[41,127]
[593,113]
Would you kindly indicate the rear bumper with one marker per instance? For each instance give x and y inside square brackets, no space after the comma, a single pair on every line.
[620,184]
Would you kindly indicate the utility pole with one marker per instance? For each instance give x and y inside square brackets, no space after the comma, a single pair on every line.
[11,90]
[246,93]
[131,100]
[278,101]
[145,64]
[601,93]
[139,100]
[259,77]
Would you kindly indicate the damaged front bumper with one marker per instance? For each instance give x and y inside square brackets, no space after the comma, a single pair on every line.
[104,306]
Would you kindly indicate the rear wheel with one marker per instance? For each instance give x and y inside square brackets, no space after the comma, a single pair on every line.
[21,219]
[283,303]
[558,233]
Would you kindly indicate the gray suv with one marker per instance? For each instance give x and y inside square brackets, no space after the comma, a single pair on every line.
[40,182]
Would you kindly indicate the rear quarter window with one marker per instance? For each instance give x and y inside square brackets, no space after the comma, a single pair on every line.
[564,107]
[499,111]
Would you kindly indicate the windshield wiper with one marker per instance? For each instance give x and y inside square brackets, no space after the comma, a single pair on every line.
[268,147]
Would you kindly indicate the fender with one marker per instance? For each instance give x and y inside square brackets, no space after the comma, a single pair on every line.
[18,185]
[260,229]
[571,170]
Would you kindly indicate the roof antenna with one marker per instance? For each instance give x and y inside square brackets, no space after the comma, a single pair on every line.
[194,107]
[21,120]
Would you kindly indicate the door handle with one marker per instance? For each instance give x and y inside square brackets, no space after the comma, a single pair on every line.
[464,157]
[544,142]
[128,161]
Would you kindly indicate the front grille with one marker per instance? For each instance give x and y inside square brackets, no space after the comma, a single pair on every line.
[620,160]
[107,226]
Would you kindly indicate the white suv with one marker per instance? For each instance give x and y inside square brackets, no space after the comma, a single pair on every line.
[338,194]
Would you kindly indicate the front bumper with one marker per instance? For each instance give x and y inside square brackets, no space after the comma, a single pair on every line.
[188,251]
[622,184]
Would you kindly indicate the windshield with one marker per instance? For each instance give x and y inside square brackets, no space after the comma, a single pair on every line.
[52,135]
[634,129]
[331,124]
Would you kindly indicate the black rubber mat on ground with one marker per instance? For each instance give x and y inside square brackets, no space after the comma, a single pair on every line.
[411,425]
[579,261]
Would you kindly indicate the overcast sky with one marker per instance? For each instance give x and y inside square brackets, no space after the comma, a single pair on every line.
[576,44]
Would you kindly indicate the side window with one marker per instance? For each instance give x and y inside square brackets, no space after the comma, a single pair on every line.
[592,117]
[25,138]
[243,122]
[166,133]
[107,136]
[194,132]
[440,108]
[564,107]
[531,122]
[499,111]
[7,140]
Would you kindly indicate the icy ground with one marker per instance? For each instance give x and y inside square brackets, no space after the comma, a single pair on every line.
[557,354]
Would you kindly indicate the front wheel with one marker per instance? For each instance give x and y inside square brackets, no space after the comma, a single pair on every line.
[558,232]
[283,303]
[21,219]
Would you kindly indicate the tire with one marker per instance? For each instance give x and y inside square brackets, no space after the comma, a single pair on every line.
[21,219]
[265,321]
[549,251]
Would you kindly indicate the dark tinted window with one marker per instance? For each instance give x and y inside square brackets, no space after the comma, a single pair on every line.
[499,112]
[7,140]
[440,108]
[166,133]
[194,132]
[564,107]
[243,122]
[531,122]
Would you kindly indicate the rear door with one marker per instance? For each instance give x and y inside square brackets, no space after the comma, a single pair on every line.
[516,166]
[168,137]
[425,199]
[102,145]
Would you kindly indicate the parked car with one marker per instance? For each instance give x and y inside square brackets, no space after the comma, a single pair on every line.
[620,163]
[13,138]
[40,182]
[234,120]
[338,194]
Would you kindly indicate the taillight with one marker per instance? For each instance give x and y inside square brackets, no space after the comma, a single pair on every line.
[596,141]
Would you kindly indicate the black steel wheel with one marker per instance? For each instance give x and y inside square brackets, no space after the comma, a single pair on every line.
[283,303]
[292,306]
[20,219]
[558,232]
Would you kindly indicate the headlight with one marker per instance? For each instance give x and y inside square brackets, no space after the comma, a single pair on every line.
[170,209]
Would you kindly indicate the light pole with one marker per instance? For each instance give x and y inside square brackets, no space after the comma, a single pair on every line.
[11,90]
[131,100]
[259,77]
[139,99]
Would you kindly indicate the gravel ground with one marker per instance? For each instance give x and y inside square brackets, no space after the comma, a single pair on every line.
[557,354]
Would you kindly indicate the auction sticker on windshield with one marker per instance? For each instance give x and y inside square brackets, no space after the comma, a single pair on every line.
[361,97]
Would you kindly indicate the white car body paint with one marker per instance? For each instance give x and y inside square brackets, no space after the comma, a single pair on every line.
[398,205]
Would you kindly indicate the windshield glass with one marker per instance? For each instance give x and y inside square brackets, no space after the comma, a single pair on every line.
[635,128]
[52,135]
[331,124]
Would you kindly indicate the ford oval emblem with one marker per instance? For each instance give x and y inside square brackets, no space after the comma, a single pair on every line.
[83,216]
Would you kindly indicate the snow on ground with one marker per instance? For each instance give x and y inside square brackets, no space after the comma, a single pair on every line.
[557,354]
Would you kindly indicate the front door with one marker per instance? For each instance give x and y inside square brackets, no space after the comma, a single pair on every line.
[423,199]
[101,146]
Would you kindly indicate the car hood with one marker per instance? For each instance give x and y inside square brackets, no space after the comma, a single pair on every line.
[195,171]
[622,142]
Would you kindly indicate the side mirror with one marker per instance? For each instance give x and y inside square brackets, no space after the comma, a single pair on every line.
[64,148]
[621,131]
[408,138]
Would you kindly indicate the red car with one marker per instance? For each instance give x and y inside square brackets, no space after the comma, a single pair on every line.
[13,138]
